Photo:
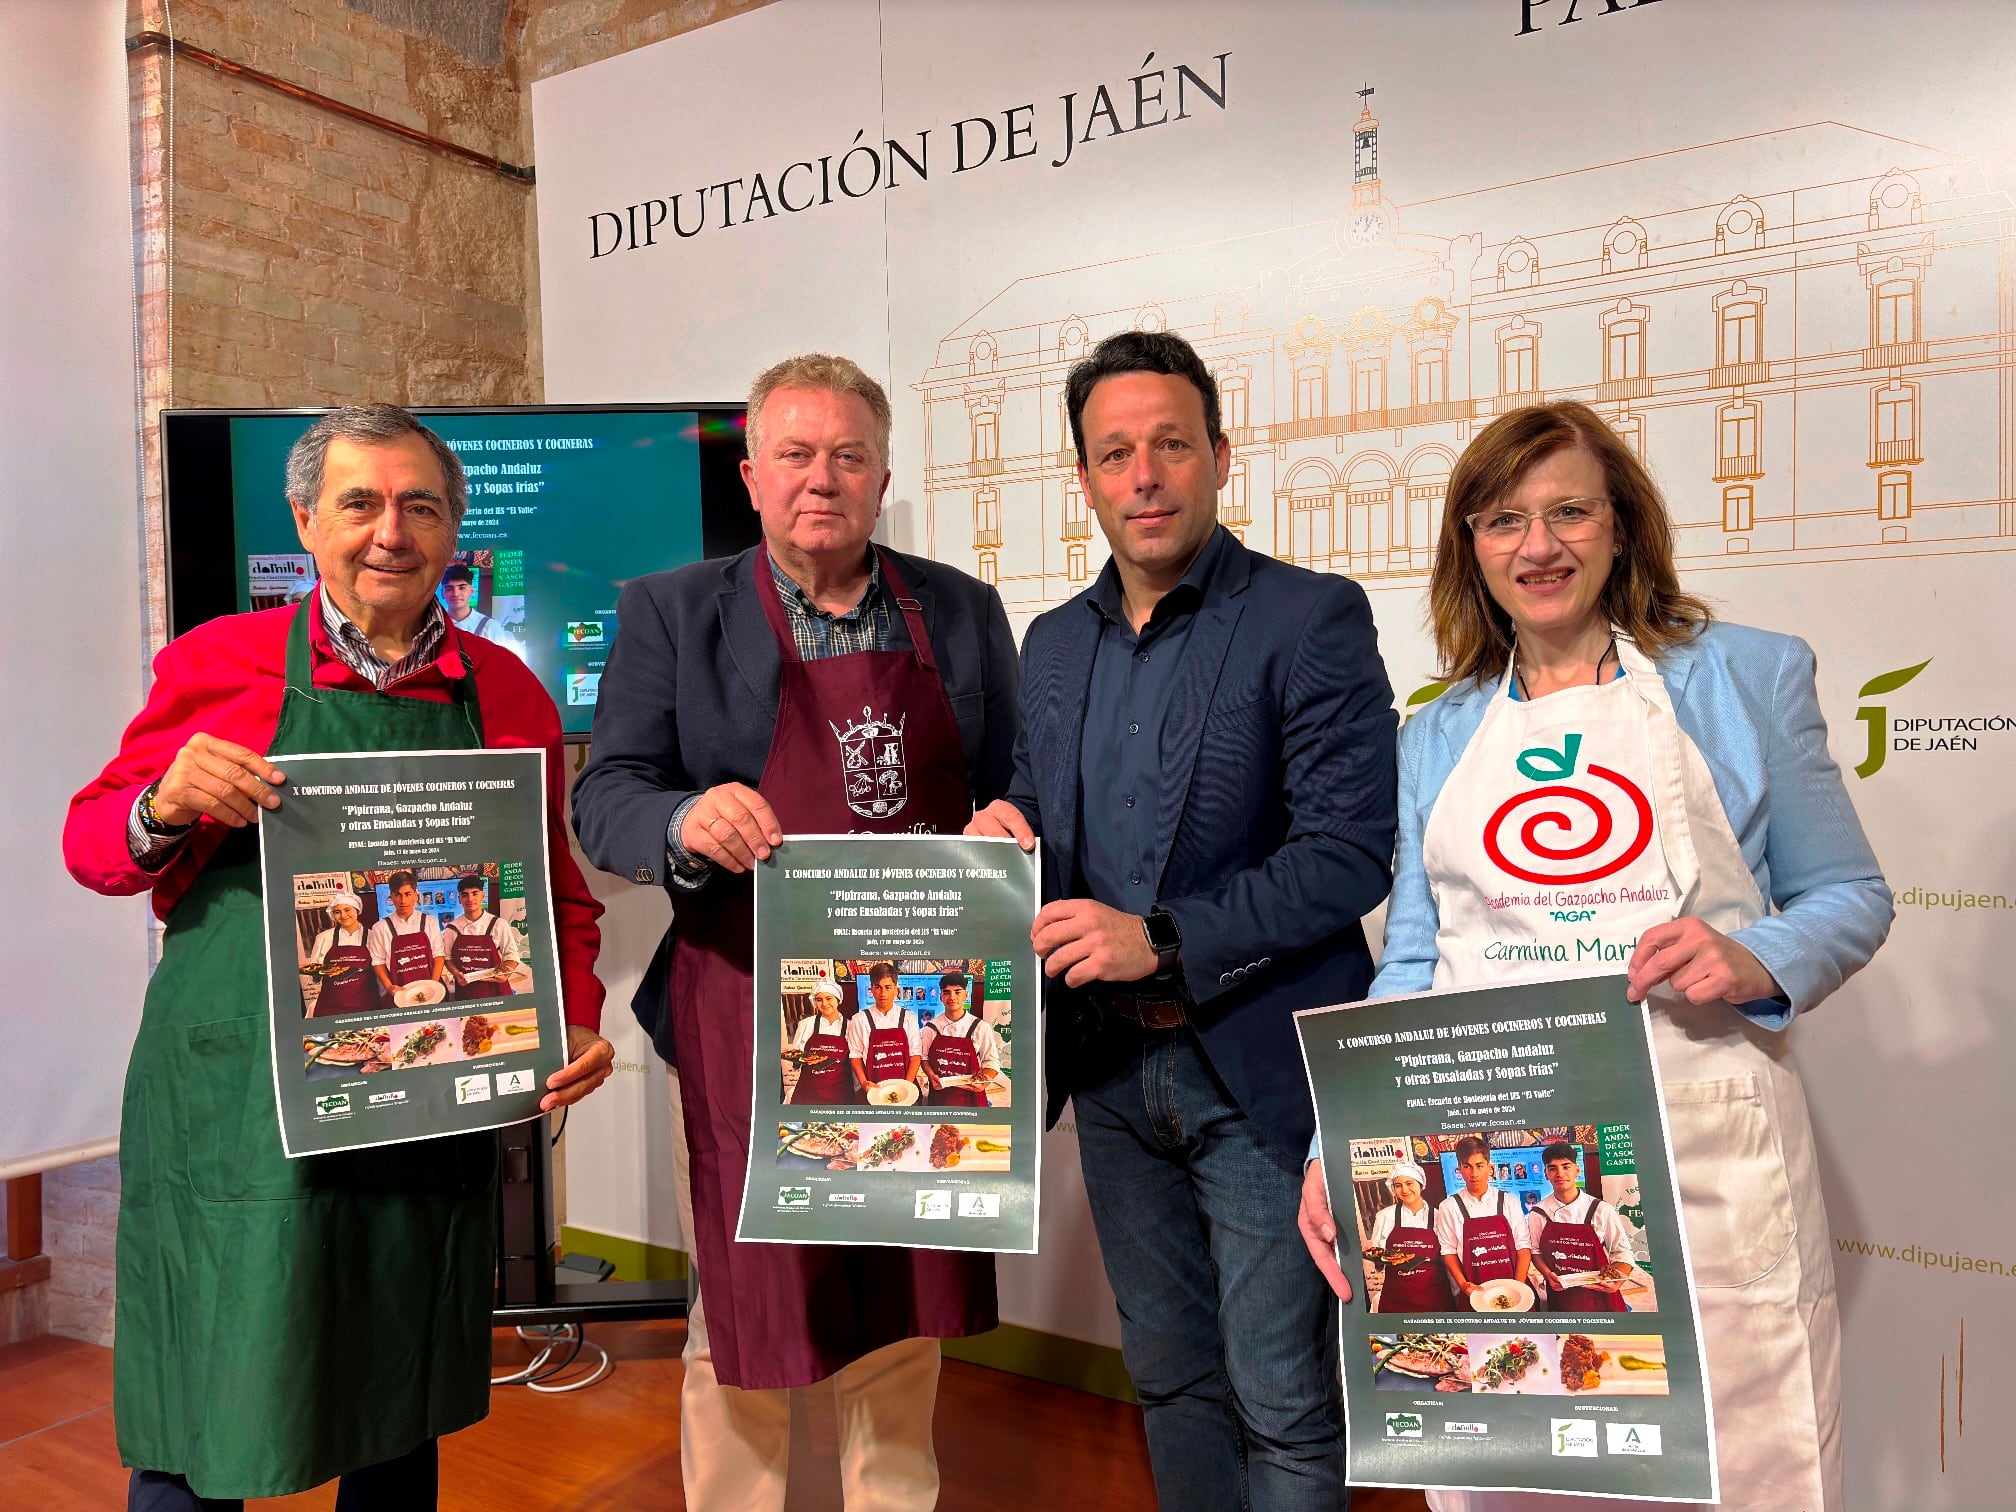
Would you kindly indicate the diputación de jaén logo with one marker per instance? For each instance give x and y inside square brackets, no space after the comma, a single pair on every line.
[1877,716]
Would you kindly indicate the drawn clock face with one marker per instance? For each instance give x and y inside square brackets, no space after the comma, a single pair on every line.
[1368,226]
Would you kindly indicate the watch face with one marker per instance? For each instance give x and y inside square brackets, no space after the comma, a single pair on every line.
[1162,933]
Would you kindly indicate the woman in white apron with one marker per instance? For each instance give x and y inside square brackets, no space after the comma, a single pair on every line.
[1602,740]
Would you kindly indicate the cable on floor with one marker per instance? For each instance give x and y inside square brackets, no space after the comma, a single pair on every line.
[550,1363]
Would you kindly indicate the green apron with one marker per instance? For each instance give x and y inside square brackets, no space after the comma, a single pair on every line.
[283,1321]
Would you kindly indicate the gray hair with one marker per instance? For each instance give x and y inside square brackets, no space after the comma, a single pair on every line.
[833,375]
[368,425]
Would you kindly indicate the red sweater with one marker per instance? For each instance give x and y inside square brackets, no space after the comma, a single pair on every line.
[224,678]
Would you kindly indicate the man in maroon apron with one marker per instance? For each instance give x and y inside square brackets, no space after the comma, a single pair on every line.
[405,945]
[479,947]
[1482,1228]
[824,1076]
[960,1044]
[718,730]
[1576,1232]
[883,1044]
[344,961]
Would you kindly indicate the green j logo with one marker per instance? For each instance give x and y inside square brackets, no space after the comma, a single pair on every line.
[1545,764]
[1877,717]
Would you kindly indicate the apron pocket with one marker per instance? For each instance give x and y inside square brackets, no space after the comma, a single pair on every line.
[1733,1188]
[234,1128]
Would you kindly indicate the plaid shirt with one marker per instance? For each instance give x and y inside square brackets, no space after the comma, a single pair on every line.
[152,852]
[869,626]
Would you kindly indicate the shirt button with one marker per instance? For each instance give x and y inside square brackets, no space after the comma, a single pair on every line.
[1135,878]
[1144,656]
[1130,800]
[1133,729]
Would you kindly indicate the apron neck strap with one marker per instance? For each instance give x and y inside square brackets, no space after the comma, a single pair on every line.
[893,585]
[301,672]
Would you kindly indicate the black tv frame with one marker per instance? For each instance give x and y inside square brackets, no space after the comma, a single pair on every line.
[202,581]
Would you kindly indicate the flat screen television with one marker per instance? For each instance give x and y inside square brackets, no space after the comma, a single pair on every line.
[566,504]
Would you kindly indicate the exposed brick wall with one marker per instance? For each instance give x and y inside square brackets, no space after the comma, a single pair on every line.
[80,1215]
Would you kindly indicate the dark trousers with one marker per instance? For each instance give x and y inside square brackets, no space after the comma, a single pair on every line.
[411,1483]
[1227,1327]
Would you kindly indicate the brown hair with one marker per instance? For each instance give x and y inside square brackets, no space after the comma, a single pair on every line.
[1642,596]
[818,370]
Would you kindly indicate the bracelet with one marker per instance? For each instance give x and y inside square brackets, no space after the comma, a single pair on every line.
[153,823]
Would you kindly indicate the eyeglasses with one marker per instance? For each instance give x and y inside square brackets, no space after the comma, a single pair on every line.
[1569,520]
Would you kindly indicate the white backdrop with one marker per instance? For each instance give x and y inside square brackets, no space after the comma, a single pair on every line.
[1776,246]
[69,622]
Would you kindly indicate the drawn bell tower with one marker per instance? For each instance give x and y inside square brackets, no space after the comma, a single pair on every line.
[1365,188]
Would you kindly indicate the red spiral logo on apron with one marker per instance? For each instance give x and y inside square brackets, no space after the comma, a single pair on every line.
[1561,828]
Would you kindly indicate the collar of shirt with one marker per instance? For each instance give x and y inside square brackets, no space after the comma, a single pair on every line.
[1554,1207]
[353,648]
[1191,590]
[868,626]
[1485,1206]
[1404,1219]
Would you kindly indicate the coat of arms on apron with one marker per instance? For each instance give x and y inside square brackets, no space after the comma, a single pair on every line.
[872,773]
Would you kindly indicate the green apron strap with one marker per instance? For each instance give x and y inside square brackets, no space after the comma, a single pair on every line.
[301,675]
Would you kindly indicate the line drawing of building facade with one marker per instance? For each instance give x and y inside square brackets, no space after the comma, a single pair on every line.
[1809,334]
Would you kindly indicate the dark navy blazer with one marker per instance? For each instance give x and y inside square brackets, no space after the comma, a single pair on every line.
[688,700]
[1275,835]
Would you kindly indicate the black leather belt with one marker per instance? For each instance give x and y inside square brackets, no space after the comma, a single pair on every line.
[1150,1007]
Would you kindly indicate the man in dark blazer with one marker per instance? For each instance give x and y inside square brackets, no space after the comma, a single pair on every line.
[1207,753]
[712,740]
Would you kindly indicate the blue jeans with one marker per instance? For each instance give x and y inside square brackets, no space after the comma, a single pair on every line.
[1226,1326]
[407,1484]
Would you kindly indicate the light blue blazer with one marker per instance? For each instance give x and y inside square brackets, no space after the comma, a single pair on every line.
[1747,699]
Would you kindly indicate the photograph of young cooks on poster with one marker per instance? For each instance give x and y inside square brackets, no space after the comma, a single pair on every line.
[392,940]
[486,959]
[1515,1222]
[944,1041]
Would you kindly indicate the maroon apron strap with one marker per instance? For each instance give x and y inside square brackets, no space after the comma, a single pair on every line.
[913,612]
[773,606]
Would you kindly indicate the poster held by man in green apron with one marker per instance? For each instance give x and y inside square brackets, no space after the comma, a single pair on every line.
[284,1322]
[411,833]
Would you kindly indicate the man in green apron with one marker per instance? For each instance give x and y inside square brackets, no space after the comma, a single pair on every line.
[282,1322]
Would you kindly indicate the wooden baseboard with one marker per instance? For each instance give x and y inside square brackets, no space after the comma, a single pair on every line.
[24,1299]
[1041,1356]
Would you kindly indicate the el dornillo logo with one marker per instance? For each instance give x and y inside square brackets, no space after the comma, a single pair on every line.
[1921,732]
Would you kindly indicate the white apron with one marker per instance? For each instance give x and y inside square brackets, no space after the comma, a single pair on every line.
[1641,839]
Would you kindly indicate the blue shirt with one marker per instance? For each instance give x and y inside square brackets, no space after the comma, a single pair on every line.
[1120,773]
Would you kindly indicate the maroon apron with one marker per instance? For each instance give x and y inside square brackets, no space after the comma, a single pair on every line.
[1571,1247]
[1489,1251]
[1424,1288]
[887,1057]
[411,955]
[477,952]
[765,1328]
[832,1084]
[952,1054]
[356,990]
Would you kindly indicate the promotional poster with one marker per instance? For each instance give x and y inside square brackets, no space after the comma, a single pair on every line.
[1501,1175]
[413,974]
[898,1087]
